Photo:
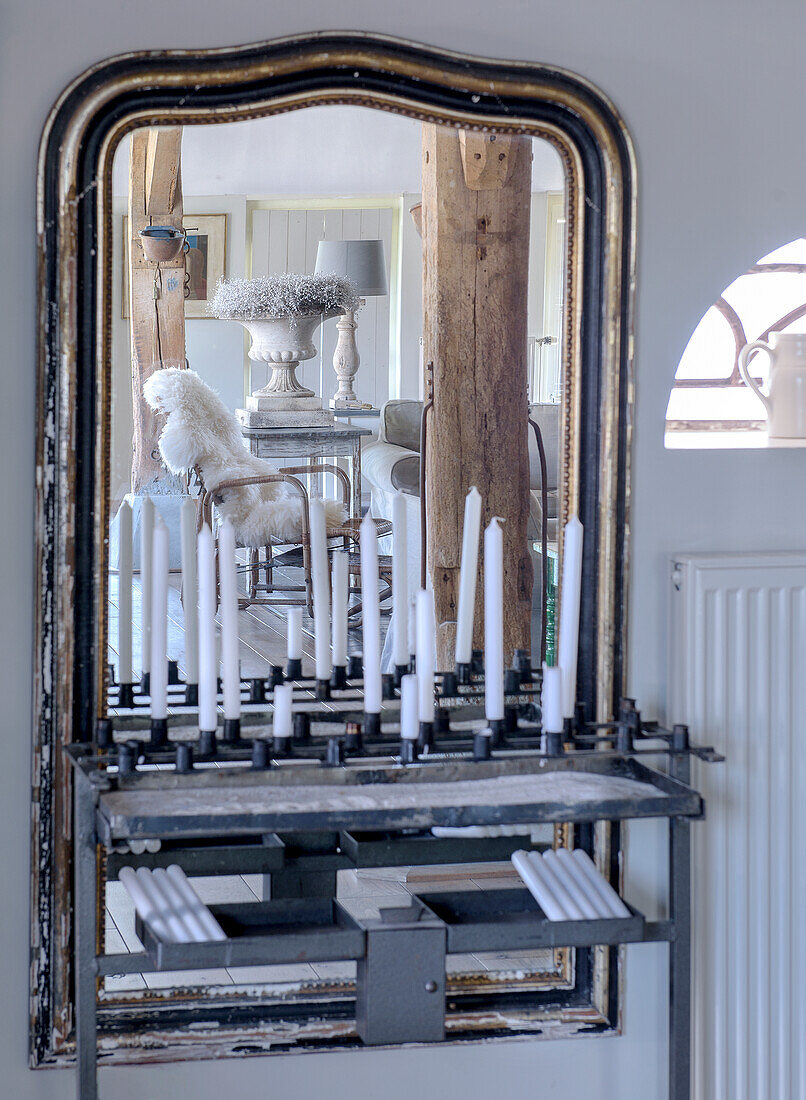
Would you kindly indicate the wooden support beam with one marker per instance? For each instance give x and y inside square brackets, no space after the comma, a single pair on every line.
[475,280]
[163,154]
[156,294]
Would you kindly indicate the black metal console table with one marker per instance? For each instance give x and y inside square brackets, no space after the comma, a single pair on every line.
[381,813]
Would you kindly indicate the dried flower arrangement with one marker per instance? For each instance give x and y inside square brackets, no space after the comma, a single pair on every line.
[283,295]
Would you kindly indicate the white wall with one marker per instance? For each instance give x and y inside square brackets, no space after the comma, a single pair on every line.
[713,95]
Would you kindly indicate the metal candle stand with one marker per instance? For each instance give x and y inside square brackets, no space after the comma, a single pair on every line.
[278,819]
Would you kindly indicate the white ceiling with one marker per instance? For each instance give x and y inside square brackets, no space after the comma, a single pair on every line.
[318,151]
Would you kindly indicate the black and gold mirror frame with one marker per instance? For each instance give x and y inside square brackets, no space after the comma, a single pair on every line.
[73,410]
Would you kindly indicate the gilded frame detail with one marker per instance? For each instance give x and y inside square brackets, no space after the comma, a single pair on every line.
[74,219]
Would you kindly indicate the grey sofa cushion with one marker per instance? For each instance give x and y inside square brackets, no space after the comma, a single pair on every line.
[402,424]
[406,475]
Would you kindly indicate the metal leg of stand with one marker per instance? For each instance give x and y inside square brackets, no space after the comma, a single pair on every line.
[680,947]
[86,940]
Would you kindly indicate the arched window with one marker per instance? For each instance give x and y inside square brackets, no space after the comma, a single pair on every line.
[710,406]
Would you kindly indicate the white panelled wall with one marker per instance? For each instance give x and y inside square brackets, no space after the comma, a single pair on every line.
[285,238]
[738,667]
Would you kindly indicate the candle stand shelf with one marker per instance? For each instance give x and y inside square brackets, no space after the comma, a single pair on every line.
[333,797]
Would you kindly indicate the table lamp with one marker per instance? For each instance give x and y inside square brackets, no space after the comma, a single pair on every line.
[365,264]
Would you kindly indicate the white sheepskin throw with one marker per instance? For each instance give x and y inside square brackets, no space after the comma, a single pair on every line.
[201,431]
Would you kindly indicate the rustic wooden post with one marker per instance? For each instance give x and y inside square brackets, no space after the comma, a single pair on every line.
[476,202]
[156,294]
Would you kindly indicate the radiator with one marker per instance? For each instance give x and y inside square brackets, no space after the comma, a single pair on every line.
[738,677]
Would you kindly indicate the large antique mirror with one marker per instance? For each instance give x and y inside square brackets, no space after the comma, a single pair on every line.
[484,213]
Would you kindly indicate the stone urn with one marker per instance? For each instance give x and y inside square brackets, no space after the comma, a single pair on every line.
[284,342]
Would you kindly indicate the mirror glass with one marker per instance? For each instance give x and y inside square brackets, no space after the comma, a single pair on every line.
[292,367]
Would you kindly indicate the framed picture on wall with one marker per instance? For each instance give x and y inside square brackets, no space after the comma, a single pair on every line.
[205,261]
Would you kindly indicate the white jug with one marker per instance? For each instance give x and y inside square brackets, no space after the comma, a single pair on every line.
[786,401]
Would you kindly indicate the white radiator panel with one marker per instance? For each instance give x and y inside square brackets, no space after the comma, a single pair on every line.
[738,678]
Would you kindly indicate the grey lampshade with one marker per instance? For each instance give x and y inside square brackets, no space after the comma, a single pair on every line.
[361,261]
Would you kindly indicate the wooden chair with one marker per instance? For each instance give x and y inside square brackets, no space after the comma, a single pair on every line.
[345,535]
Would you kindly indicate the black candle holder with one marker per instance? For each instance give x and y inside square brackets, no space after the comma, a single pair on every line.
[497,728]
[400,672]
[463,673]
[477,662]
[387,685]
[679,740]
[334,754]
[510,719]
[232,731]
[554,742]
[482,745]
[372,725]
[355,667]
[191,695]
[276,676]
[159,732]
[260,754]
[301,727]
[425,736]
[184,758]
[110,675]
[408,751]
[293,668]
[322,690]
[145,683]
[127,760]
[257,690]
[338,677]
[280,747]
[125,696]
[207,742]
[173,673]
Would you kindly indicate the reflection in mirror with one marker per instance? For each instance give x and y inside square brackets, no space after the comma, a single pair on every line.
[345,306]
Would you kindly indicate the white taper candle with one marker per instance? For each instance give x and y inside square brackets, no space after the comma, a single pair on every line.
[582,898]
[190,595]
[208,647]
[537,885]
[146,536]
[551,699]
[159,621]
[400,582]
[574,871]
[340,590]
[608,895]
[211,926]
[321,590]
[409,709]
[467,577]
[145,904]
[179,905]
[125,593]
[558,887]
[494,620]
[570,595]
[282,722]
[370,616]
[228,585]
[176,926]
[425,653]
[294,652]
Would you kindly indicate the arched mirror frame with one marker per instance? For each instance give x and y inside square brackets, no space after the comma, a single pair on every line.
[74,232]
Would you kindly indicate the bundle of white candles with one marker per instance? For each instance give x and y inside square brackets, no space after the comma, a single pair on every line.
[167,902]
[567,885]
